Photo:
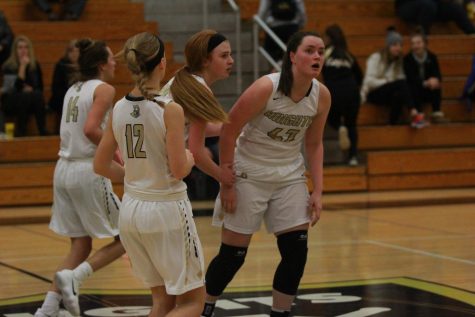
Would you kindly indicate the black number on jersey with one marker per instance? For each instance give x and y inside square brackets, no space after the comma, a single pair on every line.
[73,111]
[283,135]
[135,133]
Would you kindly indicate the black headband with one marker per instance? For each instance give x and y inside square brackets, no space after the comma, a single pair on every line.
[151,64]
[215,40]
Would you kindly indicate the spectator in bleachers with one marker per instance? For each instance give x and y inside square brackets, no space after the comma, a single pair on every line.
[385,83]
[22,92]
[63,71]
[468,95]
[426,12]
[6,38]
[421,67]
[284,18]
[72,9]
[343,77]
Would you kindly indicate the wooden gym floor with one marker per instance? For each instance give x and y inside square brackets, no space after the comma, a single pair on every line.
[407,260]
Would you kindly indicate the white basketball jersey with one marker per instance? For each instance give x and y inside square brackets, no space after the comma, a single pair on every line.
[76,106]
[269,147]
[140,131]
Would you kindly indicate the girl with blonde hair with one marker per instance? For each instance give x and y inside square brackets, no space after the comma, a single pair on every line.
[208,60]
[156,221]
[22,92]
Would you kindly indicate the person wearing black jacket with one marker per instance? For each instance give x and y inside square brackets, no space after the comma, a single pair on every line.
[343,77]
[422,71]
[63,71]
[425,12]
[6,38]
[23,87]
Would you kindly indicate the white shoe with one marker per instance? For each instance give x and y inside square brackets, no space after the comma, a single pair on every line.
[69,288]
[353,161]
[40,313]
[343,138]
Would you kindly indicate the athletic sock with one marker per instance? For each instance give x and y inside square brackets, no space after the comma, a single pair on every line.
[82,271]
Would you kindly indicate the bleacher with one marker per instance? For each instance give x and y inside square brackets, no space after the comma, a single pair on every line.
[397,157]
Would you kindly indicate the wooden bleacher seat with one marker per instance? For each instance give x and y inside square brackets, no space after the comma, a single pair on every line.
[455,111]
[411,169]
[404,137]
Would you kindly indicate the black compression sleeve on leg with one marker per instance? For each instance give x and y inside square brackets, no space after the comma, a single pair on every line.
[293,250]
[223,267]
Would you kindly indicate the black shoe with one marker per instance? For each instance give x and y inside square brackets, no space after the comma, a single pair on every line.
[52,16]
[71,17]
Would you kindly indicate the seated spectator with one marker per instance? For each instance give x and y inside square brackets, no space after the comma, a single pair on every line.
[6,38]
[71,11]
[423,76]
[468,95]
[284,18]
[63,71]
[22,91]
[425,12]
[342,76]
[385,83]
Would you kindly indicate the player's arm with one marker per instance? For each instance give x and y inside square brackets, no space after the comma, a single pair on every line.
[180,160]
[250,104]
[213,129]
[103,101]
[314,152]
[203,159]
[104,163]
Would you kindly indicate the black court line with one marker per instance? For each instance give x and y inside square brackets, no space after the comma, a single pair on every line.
[44,279]
[93,298]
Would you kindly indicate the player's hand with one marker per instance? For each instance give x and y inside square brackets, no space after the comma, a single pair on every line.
[314,207]
[190,158]
[227,176]
[228,198]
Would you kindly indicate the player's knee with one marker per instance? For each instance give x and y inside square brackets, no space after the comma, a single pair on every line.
[293,250]
[223,267]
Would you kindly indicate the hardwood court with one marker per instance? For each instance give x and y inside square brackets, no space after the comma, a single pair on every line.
[428,248]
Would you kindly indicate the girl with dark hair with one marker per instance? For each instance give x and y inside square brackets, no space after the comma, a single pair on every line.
[62,78]
[268,125]
[343,77]
[84,205]
[424,78]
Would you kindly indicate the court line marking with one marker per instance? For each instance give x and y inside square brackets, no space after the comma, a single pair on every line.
[421,252]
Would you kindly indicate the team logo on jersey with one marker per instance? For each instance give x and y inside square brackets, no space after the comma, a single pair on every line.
[392,297]
[136,112]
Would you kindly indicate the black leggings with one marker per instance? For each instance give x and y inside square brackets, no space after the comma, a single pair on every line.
[396,95]
[21,105]
[344,110]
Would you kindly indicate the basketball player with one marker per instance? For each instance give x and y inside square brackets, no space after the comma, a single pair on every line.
[156,220]
[84,205]
[208,60]
[271,121]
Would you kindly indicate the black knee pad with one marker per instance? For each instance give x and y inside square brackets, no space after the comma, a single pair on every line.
[293,250]
[223,267]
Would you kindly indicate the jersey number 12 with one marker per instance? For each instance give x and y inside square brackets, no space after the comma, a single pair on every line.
[135,133]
